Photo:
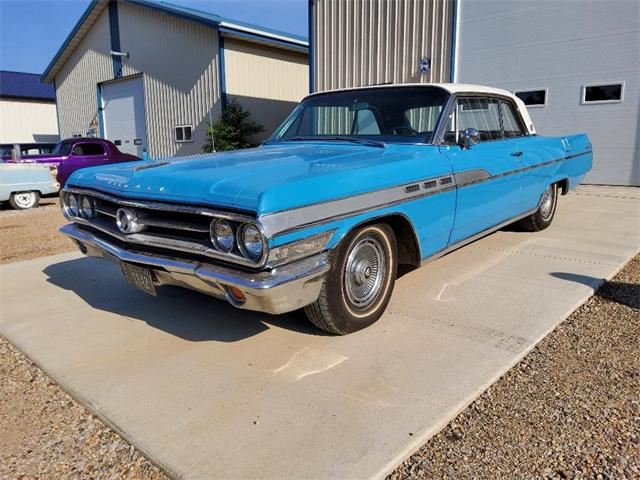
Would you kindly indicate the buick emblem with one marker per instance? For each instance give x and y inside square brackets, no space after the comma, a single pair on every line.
[128,222]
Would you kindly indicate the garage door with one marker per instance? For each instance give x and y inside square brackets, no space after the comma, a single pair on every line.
[123,114]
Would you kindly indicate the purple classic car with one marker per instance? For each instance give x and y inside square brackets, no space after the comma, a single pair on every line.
[74,153]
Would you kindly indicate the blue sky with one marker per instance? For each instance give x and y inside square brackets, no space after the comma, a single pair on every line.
[31,31]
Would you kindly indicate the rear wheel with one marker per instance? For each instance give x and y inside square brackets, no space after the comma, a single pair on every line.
[359,284]
[24,200]
[543,217]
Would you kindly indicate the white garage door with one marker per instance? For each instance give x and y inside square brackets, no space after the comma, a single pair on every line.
[123,114]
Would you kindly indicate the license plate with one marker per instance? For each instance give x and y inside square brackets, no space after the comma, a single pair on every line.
[139,277]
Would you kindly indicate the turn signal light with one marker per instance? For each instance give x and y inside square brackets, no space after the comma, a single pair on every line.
[236,294]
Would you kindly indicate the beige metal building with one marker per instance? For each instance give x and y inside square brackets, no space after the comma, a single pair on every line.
[27,109]
[151,76]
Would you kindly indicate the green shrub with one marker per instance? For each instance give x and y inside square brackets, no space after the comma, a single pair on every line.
[233,130]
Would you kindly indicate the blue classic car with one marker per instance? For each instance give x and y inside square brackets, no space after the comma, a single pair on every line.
[353,184]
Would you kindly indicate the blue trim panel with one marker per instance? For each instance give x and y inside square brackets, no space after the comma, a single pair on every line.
[454,31]
[67,40]
[262,39]
[100,111]
[312,55]
[55,89]
[223,78]
[114,30]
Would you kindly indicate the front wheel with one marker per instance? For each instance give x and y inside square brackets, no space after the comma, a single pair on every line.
[359,284]
[543,217]
[24,200]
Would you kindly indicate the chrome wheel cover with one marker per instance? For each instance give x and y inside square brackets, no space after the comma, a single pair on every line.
[546,203]
[25,199]
[364,273]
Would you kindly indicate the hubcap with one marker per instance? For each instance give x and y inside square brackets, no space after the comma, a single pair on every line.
[25,200]
[546,203]
[364,273]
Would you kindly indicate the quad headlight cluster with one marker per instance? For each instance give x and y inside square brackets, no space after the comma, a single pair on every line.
[78,206]
[247,238]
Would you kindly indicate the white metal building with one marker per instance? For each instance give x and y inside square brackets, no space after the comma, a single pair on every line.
[27,109]
[576,63]
[149,75]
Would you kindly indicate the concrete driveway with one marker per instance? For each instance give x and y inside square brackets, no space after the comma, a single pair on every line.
[209,391]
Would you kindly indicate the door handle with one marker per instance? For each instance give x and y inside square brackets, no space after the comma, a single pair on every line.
[516,154]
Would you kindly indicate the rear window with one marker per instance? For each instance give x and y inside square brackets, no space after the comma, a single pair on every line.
[88,149]
[62,149]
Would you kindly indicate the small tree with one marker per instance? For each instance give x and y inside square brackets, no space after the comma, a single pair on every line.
[233,130]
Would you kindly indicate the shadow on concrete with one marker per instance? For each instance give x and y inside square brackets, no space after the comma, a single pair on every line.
[187,314]
[620,292]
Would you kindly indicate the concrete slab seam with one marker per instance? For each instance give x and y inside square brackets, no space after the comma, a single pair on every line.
[420,441]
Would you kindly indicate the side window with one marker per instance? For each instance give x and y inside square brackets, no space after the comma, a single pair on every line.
[366,123]
[510,124]
[481,114]
[85,149]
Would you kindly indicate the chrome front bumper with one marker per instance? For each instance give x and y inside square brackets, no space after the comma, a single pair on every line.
[279,290]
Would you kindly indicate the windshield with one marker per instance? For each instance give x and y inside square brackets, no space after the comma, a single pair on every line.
[62,149]
[398,114]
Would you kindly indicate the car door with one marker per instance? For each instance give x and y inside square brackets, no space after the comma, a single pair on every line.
[488,173]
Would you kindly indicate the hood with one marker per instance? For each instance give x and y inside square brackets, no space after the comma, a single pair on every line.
[261,180]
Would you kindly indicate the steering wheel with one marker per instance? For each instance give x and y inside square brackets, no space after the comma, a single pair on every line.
[404,129]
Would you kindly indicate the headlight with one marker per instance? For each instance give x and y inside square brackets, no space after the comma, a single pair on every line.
[71,205]
[222,235]
[251,242]
[87,207]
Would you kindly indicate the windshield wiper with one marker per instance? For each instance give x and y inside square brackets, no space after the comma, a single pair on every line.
[359,141]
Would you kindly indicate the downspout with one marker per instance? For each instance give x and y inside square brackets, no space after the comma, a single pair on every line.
[311,57]
[454,42]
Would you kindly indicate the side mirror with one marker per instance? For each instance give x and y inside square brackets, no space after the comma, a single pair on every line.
[470,137]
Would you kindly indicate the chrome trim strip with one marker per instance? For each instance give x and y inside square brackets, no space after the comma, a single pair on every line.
[475,237]
[167,207]
[285,221]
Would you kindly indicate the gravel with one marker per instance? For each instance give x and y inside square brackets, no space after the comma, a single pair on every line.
[44,433]
[32,233]
[569,409]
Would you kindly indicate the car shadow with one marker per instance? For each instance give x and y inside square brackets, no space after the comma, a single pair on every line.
[187,314]
[620,292]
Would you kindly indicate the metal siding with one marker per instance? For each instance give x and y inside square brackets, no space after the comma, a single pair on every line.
[562,46]
[283,80]
[25,121]
[179,62]
[76,80]
[360,42]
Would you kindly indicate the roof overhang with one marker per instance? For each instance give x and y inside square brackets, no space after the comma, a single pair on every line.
[227,27]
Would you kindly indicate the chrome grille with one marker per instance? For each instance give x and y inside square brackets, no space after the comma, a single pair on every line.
[183,228]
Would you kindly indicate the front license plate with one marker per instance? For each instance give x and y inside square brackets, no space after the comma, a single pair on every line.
[139,277]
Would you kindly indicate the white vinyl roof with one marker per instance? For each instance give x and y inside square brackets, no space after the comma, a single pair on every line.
[456,88]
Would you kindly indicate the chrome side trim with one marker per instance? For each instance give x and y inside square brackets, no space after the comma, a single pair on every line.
[285,221]
[475,237]
[299,218]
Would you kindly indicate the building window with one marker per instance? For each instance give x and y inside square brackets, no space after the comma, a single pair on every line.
[603,93]
[76,135]
[183,133]
[533,98]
